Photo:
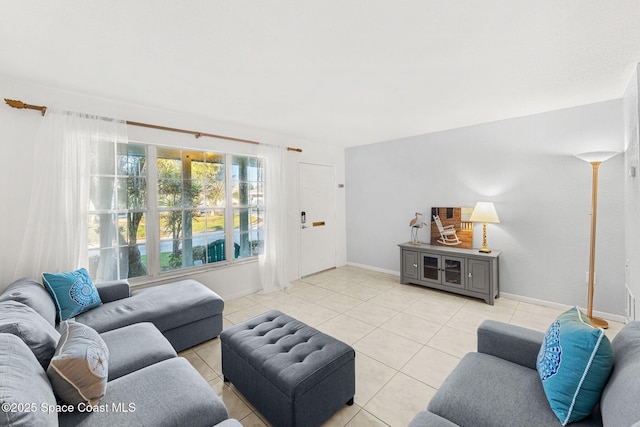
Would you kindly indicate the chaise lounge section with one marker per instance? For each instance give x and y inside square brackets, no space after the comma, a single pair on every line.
[186,312]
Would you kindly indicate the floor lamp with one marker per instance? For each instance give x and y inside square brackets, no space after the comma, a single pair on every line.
[595,158]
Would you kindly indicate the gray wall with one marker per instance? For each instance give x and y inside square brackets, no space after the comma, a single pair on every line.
[542,194]
[632,190]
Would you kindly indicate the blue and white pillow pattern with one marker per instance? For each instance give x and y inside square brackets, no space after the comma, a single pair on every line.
[574,364]
[73,292]
[550,353]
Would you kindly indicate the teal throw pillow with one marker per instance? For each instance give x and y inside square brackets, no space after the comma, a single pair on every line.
[73,292]
[574,364]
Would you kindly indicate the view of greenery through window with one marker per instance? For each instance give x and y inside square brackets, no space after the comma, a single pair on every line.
[206,202]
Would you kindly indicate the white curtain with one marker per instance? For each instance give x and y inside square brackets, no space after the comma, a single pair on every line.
[272,262]
[70,148]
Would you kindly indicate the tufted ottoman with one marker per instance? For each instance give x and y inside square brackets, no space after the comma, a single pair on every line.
[292,373]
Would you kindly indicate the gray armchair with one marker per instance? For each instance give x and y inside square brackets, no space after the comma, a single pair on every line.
[499,386]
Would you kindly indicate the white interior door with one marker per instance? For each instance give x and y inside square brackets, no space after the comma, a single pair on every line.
[317,218]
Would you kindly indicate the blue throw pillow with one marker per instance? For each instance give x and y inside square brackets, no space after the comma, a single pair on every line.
[72,292]
[574,363]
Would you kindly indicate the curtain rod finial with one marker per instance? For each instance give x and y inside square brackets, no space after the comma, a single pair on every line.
[13,103]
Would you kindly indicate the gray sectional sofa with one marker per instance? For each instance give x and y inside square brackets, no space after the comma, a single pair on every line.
[147,385]
[499,385]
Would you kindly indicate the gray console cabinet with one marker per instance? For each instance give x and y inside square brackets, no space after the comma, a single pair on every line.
[462,271]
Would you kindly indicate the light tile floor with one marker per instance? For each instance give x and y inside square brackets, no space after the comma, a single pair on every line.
[407,338]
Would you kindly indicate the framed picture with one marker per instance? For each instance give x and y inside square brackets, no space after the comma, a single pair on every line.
[451,227]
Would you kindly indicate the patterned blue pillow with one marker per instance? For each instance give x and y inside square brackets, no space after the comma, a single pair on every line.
[574,364]
[73,293]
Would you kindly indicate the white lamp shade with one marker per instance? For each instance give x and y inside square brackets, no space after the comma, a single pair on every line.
[484,212]
[596,156]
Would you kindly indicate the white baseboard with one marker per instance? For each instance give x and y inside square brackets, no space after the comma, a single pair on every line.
[369,267]
[551,304]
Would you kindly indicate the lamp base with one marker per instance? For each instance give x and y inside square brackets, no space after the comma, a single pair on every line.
[599,323]
[485,250]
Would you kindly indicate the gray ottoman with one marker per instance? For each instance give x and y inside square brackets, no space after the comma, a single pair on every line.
[292,373]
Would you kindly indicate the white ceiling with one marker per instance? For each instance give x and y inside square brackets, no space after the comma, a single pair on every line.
[343,72]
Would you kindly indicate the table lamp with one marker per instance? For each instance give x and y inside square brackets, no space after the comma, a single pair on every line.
[484,212]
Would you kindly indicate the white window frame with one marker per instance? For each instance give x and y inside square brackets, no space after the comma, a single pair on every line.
[154,272]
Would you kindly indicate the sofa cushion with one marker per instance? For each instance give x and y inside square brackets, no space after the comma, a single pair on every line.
[79,368]
[619,403]
[574,363]
[33,294]
[168,393]
[484,390]
[22,321]
[25,392]
[134,347]
[72,292]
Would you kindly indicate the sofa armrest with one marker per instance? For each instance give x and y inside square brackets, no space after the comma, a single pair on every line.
[510,342]
[113,290]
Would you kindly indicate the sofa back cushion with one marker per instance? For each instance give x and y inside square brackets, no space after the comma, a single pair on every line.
[26,396]
[619,404]
[33,294]
[19,320]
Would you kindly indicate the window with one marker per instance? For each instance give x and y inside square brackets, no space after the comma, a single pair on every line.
[248,205]
[203,208]
[117,211]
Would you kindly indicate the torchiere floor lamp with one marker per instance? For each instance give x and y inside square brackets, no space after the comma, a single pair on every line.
[595,158]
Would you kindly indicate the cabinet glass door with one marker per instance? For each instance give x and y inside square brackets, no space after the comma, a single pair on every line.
[453,272]
[431,267]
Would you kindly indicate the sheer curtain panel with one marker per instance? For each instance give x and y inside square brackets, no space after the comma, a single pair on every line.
[272,262]
[70,151]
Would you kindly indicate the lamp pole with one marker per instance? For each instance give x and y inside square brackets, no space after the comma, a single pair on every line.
[596,321]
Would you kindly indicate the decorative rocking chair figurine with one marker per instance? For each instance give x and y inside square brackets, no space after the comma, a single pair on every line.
[415,225]
[448,234]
